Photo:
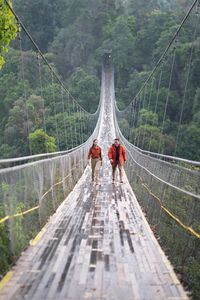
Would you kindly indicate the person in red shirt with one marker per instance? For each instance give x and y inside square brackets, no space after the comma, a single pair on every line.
[96,160]
[117,157]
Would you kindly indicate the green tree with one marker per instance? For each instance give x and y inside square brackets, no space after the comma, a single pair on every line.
[147,117]
[40,142]
[85,88]
[8,29]
[141,8]
[25,116]
[155,23]
[196,104]
[148,137]
[7,151]
[189,142]
[42,19]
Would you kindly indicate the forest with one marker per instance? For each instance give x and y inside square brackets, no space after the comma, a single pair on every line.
[73,35]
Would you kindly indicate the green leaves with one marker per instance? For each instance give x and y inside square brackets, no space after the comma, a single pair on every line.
[40,142]
[8,29]
[85,88]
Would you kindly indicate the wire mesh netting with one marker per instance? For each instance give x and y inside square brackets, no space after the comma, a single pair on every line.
[29,194]
[172,212]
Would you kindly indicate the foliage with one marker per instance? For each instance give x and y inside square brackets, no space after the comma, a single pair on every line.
[40,142]
[4,242]
[193,276]
[189,142]
[40,16]
[85,89]
[8,29]
[147,117]
[149,137]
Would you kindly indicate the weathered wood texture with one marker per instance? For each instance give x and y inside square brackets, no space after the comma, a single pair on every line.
[98,245]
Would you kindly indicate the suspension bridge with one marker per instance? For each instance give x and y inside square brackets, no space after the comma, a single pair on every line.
[98,244]
[100,241]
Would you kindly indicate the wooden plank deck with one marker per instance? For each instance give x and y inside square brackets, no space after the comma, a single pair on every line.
[98,245]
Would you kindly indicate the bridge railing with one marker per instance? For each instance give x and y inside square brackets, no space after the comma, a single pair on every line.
[169,195]
[31,192]
[166,186]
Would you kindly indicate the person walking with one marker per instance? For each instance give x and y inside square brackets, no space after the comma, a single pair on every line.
[95,154]
[117,157]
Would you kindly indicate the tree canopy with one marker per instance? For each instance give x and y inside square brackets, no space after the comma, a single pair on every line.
[8,29]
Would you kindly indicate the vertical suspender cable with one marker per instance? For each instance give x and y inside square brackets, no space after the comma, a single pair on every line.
[55,112]
[167,99]
[64,119]
[25,94]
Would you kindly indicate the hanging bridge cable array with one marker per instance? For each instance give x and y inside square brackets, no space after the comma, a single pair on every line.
[39,107]
[144,97]
[41,93]
[160,147]
[135,118]
[187,76]
[75,126]
[148,107]
[32,191]
[24,89]
[173,47]
[37,48]
[156,106]
[80,124]
[195,3]
[131,120]
[71,129]
[55,112]
[64,115]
